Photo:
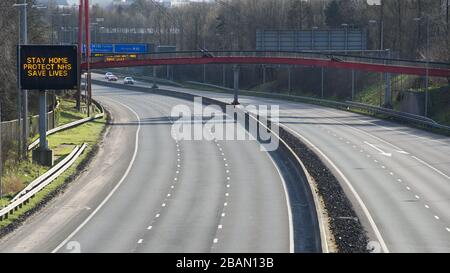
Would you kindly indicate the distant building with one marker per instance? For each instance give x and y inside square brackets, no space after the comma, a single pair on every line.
[180,2]
[166,3]
[63,3]
[122,2]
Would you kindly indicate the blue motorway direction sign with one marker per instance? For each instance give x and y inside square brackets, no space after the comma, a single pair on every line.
[119,48]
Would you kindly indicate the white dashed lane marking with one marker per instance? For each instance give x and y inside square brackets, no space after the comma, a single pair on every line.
[390,173]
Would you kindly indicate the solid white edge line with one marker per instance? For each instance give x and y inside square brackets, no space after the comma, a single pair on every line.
[130,165]
[431,167]
[291,230]
[324,242]
[288,202]
[387,142]
[349,185]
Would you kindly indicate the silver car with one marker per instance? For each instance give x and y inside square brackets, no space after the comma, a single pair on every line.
[128,80]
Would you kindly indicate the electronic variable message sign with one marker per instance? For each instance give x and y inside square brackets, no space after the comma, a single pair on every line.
[51,67]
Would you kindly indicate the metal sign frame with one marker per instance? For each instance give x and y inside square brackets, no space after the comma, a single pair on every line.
[48,67]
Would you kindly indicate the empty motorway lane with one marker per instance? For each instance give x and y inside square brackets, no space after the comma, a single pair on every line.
[148,192]
[397,177]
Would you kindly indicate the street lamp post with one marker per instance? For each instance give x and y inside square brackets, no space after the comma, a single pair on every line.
[94,26]
[64,28]
[427,60]
[346,36]
[22,94]
[313,37]
[98,20]
[381,32]
[346,50]
[387,75]
[23,126]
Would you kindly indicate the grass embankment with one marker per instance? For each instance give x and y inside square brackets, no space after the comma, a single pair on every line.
[440,104]
[68,113]
[439,97]
[17,176]
[375,92]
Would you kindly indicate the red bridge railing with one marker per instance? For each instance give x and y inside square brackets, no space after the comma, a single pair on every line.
[308,59]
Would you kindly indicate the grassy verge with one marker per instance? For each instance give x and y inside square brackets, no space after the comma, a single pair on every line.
[62,143]
[68,113]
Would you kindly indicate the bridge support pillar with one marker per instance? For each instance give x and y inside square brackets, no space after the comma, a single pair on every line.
[289,80]
[154,86]
[224,75]
[353,85]
[264,73]
[321,80]
[236,70]
[387,93]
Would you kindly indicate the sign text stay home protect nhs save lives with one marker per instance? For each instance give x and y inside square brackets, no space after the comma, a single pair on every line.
[52,67]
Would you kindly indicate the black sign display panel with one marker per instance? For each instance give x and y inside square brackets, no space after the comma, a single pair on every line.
[51,67]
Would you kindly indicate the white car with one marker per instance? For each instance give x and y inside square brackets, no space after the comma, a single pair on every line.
[128,80]
[112,78]
[107,75]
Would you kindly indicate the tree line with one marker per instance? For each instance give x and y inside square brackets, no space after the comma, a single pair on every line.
[229,25]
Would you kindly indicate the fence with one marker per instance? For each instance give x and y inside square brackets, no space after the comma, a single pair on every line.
[9,129]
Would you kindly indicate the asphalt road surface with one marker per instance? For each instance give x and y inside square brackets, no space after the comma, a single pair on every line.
[148,192]
[398,177]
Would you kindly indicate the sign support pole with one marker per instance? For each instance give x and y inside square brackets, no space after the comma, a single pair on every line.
[42,120]
[43,155]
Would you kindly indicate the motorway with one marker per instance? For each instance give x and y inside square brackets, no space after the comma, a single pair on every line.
[397,177]
[146,191]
